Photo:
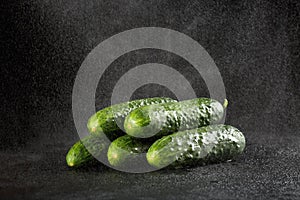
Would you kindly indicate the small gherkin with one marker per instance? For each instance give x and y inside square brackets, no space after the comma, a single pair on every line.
[84,150]
[208,144]
[163,119]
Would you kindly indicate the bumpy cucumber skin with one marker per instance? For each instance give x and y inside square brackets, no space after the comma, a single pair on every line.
[127,151]
[162,119]
[79,153]
[209,144]
[107,119]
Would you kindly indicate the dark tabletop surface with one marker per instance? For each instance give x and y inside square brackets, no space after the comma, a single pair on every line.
[268,169]
[255,45]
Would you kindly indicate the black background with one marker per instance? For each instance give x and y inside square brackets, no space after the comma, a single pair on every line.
[255,45]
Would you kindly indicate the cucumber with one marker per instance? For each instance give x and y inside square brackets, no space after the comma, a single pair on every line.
[127,152]
[162,119]
[109,119]
[79,153]
[208,144]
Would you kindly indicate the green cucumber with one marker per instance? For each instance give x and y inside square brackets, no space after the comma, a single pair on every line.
[79,153]
[162,119]
[110,118]
[129,152]
[208,144]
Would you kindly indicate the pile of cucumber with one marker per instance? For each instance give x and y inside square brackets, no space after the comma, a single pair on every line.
[159,132]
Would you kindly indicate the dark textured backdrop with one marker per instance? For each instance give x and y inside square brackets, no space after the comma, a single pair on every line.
[255,44]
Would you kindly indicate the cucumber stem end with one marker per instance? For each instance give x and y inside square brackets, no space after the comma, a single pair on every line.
[225,104]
